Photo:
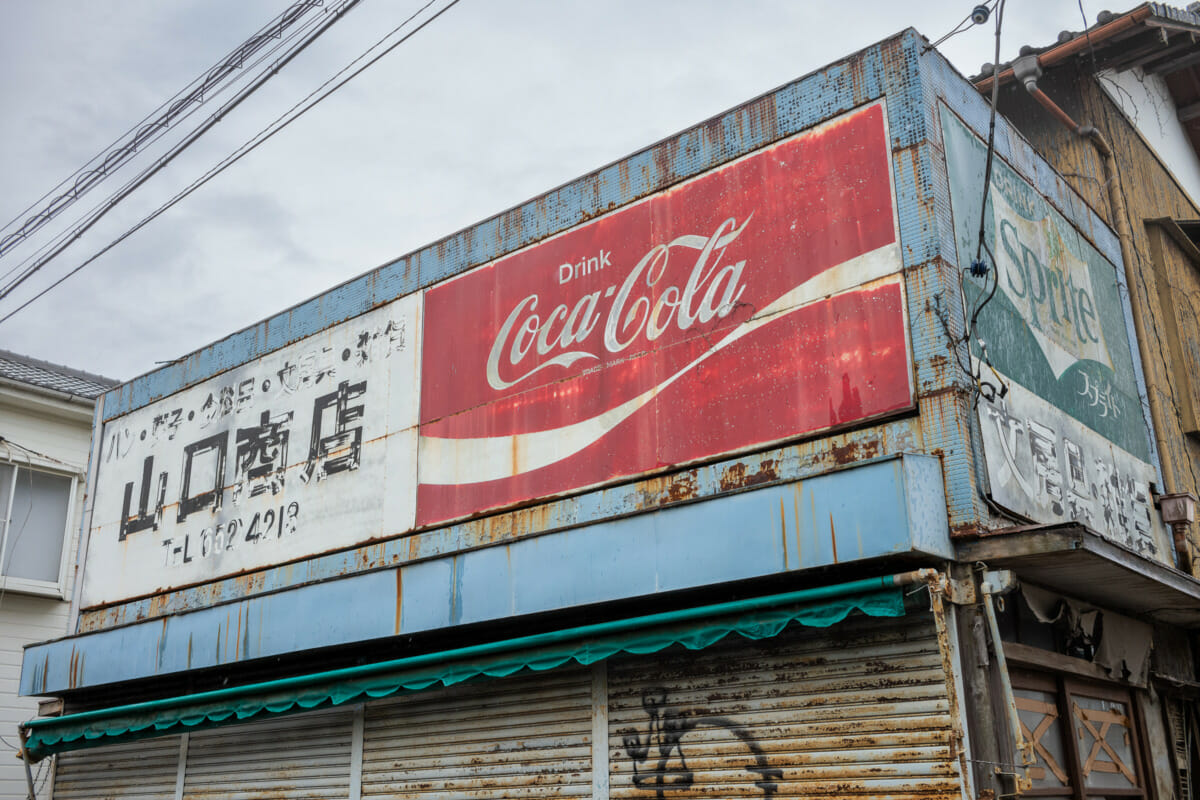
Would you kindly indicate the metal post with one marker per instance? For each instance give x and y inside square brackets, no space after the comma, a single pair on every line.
[25,760]
[992,586]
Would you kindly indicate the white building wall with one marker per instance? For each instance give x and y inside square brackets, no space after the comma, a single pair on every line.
[61,431]
[1147,103]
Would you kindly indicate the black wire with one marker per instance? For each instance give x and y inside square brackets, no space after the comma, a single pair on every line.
[271,29]
[981,246]
[179,148]
[97,209]
[959,28]
[995,270]
[991,149]
[1088,35]
[250,146]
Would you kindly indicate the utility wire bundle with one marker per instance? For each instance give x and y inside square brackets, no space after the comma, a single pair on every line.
[243,71]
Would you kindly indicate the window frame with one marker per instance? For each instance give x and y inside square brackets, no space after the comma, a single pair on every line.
[1066,688]
[29,586]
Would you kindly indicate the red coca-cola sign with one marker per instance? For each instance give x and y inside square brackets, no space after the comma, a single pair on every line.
[755,303]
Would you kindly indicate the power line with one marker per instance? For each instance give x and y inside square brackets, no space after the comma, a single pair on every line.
[281,122]
[148,130]
[978,16]
[177,149]
[248,70]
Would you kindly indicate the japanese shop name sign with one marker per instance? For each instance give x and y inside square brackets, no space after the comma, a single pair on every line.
[755,303]
[1069,441]
[279,458]
[1045,465]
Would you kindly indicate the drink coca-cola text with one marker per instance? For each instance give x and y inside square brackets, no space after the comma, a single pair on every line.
[711,291]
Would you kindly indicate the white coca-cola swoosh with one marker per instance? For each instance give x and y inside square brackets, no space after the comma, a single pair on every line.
[444,461]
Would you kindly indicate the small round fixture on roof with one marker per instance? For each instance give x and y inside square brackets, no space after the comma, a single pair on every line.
[979,14]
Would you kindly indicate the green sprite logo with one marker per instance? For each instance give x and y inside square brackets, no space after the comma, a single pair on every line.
[1049,286]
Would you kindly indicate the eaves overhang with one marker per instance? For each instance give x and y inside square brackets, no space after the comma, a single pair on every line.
[1080,563]
[1155,38]
[1150,32]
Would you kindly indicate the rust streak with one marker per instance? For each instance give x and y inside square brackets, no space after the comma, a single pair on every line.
[797,494]
[783,533]
[833,537]
[399,597]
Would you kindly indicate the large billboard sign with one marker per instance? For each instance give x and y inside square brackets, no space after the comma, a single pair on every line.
[1068,442]
[755,303]
[758,302]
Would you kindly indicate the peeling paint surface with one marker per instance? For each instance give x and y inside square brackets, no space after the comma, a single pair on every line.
[751,304]
[794,462]
[824,521]
[281,458]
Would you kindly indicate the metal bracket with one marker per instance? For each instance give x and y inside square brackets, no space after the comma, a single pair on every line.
[1021,783]
[961,593]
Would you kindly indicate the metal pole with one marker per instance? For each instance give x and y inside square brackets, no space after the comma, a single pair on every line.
[21,734]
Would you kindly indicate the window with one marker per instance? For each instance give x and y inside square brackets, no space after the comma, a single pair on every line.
[36,508]
[1084,737]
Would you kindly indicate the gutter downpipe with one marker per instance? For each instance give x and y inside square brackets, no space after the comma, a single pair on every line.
[1028,69]
[22,735]
[1082,42]
[995,583]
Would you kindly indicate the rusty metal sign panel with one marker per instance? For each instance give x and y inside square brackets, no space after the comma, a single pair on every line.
[1069,441]
[279,458]
[1046,465]
[757,302]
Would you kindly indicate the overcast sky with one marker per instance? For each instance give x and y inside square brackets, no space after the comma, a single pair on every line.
[494,103]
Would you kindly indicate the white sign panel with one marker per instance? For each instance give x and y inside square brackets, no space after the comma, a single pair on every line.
[281,458]
[1045,465]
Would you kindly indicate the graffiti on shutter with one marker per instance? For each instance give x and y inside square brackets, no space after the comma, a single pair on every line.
[859,708]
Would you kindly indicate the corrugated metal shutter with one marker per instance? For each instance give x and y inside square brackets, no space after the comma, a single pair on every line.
[526,737]
[144,770]
[301,757]
[856,710]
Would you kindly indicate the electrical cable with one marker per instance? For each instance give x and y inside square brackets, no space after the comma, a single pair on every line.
[181,146]
[967,23]
[59,244]
[280,123]
[991,148]
[132,128]
[101,207]
[146,132]
[247,71]
[5,441]
[1087,32]
[978,266]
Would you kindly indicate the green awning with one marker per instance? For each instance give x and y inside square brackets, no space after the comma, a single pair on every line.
[693,628]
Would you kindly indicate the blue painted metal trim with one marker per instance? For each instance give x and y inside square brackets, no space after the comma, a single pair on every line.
[695,628]
[789,463]
[784,528]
